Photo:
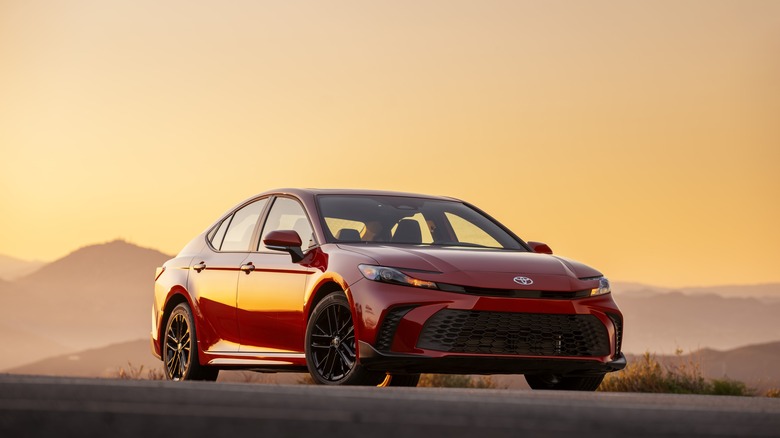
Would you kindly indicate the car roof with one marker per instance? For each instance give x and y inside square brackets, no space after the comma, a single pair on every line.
[301,192]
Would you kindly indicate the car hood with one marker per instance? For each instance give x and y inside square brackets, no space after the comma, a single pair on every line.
[480,267]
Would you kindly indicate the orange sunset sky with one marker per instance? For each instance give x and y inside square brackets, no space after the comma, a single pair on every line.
[641,137]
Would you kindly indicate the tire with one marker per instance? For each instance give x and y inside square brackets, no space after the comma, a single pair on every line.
[404,380]
[571,383]
[331,353]
[180,348]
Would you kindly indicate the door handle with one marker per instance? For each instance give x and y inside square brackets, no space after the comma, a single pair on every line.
[199,267]
[248,268]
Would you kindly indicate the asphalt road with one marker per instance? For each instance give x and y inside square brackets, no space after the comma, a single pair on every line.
[33,406]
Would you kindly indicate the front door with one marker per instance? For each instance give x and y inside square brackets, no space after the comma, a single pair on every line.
[271,293]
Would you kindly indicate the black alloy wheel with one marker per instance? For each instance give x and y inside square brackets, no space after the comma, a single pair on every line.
[564,383]
[331,351]
[180,351]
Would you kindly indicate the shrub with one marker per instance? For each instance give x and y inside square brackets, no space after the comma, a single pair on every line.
[774,393]
[727,386]
[682,377]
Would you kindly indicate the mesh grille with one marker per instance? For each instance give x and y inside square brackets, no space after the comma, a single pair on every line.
[532,334]
[618,321]
[384,339]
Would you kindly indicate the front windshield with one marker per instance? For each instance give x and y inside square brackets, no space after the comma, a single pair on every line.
[408,220]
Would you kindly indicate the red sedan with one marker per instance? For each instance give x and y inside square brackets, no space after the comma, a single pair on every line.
[370,287]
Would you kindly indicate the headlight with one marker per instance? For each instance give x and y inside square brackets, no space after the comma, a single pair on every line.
[603,288]
[393,276]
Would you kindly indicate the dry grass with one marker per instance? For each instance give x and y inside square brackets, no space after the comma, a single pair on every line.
[682,377]
[137,373]
[773,393]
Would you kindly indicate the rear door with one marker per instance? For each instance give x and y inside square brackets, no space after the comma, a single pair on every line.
[214,276]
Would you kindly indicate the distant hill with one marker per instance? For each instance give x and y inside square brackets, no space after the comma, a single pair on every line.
[12,268]
[97,362]
[20,347]
[769,292]
[756,365]
[759,365]
[97,295]
[106,362]
[663,322]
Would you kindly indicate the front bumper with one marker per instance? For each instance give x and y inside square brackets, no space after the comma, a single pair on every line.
[401,363]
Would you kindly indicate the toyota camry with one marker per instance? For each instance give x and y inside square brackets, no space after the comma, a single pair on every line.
[365,287]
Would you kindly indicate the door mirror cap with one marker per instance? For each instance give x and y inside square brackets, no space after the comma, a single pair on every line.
[540,248]
[285,240]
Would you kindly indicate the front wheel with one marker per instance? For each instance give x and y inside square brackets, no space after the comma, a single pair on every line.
[180,348]
[564,383]
[331,353]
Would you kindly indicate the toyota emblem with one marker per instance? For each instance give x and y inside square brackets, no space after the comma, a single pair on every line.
[525,281]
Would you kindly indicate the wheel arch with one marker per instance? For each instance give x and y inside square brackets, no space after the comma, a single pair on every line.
[327,286]
[323,289]
[175,297]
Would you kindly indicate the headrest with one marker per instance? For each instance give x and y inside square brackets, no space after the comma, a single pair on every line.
[408,231]
[348,235]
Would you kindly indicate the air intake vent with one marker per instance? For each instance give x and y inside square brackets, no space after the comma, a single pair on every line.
[386,334]
[530,334]
[618,322]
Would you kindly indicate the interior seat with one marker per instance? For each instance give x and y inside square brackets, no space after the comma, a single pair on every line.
[408,231]
[348,235]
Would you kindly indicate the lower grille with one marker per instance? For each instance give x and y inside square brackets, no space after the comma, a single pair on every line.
[384,339]
[531,334]
[618,322]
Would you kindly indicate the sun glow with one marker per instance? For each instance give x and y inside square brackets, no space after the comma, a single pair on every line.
[638,143]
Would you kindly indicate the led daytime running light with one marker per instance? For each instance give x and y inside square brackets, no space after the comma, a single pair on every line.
[394,276]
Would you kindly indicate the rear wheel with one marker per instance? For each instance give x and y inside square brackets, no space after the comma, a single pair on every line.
[331,353]
[566,383]
[180,348]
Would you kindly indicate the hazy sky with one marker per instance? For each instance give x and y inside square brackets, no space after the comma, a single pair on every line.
[642,138]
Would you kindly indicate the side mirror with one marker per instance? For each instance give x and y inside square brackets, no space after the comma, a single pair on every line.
[540,248]
[285,240]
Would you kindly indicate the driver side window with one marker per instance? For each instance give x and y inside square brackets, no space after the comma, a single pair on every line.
[288,214]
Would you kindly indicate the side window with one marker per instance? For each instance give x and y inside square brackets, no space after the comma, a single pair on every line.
[287,214]
[239,231]
[219,233]
[467,232]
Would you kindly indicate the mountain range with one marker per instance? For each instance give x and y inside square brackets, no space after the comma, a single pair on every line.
[12,268]
[665,322]
[102,294]
[96,296]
